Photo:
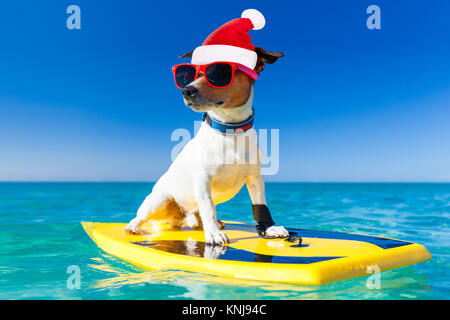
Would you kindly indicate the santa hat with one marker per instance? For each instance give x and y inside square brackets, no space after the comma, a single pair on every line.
[231,42]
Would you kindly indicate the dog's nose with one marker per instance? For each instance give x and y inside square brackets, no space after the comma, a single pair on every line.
[190,92]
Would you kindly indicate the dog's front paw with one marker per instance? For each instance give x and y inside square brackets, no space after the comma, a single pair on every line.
[277,232]
[216,236]
[133,227]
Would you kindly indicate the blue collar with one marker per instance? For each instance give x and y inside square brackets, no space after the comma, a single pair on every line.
[230,127]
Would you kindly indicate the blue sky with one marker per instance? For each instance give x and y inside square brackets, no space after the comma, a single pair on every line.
[99,104]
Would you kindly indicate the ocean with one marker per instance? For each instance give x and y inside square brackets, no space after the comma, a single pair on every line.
[42,240]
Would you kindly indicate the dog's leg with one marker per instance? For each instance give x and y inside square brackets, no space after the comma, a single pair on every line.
[153,202]
[195,222]
[256,189]
[202,189]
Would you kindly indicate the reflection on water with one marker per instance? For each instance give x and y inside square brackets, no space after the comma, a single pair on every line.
[189,280]
[206,286]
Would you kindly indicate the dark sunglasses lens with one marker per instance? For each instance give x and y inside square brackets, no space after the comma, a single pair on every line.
[185,74]
[219,74]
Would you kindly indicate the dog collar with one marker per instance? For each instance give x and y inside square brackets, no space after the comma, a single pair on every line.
[230,127]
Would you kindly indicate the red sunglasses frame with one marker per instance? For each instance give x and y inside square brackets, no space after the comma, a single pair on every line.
[202,68]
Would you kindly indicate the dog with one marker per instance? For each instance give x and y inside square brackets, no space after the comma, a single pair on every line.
[214,166]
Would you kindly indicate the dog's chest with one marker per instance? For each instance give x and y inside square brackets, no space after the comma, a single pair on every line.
[227,154]
[228,158]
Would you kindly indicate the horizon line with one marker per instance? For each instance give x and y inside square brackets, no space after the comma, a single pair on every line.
[137,181]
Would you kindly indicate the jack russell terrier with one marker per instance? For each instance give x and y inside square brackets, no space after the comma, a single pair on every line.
[215,164]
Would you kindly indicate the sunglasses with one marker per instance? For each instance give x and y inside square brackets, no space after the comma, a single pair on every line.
[218,75]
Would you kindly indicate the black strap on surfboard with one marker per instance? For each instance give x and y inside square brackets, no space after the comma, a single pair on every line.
[294,237]
[262,216]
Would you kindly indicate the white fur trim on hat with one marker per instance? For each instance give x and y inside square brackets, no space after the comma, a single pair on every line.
[219,52]
[255,17]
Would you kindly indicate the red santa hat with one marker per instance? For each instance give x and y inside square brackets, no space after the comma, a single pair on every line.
[231,42]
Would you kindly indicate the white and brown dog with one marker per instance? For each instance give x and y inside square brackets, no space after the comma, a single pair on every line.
[215,164]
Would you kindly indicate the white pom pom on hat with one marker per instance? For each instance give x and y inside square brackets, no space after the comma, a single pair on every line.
[255,17]
[231,42]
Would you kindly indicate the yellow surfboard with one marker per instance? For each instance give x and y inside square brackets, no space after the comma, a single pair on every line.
[322,257]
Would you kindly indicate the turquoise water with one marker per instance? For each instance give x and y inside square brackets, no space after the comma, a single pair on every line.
[41,237]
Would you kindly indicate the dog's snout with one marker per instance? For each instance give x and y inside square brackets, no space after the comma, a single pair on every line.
[190,92]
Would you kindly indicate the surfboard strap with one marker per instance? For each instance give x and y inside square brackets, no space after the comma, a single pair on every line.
[262,216]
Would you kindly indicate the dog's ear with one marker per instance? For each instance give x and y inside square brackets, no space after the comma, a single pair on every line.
[186,55]
[265,56]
